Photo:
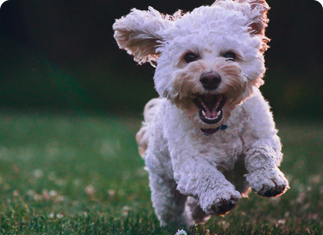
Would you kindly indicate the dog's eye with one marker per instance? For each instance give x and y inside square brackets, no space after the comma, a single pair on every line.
[190,57]
[230,56]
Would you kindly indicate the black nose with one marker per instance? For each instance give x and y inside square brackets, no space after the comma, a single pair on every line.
[210,81]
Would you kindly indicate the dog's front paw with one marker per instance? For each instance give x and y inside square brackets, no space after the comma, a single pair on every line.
[268,184]
[220,202]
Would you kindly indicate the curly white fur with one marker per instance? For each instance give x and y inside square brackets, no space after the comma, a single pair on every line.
[193,175]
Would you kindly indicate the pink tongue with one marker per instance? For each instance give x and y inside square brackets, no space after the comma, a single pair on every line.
[211,113]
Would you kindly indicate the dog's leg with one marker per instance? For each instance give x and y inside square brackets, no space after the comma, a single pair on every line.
[264,176]
[263,149]
[201,179]
[169,203]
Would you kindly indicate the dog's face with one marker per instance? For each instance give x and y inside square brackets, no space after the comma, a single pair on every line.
[207,61]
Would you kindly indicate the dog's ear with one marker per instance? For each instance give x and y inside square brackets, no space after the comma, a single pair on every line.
[255,10]
[258,20]
[258,16]
[140,33]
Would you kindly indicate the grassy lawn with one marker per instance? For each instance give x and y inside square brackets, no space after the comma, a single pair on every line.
[62,174]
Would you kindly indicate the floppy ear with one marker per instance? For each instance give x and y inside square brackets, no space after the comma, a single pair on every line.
[258,16]
[255,10]
[256,13]
[141,32]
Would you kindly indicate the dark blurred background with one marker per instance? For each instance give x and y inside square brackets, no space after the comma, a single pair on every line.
[61,55]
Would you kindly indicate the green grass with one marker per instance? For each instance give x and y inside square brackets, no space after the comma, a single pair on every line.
[62,174]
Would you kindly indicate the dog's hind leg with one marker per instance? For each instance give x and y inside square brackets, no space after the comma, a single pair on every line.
[168,202]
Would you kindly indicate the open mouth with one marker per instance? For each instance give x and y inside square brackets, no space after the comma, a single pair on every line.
[210,107]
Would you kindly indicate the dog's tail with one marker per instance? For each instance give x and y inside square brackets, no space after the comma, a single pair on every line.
[142,135]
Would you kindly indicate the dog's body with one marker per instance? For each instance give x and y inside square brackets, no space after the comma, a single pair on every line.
[211,135]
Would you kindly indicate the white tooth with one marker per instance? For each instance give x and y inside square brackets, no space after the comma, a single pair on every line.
[203,113]
[219,113]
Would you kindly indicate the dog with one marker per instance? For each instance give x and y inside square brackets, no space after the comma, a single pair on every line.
[210,136]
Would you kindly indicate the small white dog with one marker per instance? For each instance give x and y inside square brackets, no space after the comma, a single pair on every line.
[210,136]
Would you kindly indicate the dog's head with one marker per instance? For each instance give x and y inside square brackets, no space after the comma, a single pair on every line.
[207,61]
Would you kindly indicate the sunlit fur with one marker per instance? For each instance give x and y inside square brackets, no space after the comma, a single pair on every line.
[193,175]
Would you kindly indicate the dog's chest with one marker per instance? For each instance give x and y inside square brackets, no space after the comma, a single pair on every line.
[222,148]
